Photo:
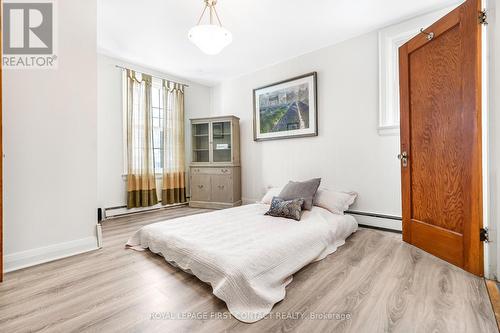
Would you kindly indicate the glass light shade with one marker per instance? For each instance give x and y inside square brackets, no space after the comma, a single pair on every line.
[210,38]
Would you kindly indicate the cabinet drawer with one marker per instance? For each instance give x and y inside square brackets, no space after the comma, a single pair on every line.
[211,171]
[200,187]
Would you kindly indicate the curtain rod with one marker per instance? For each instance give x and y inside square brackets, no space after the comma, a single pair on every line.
[155,76]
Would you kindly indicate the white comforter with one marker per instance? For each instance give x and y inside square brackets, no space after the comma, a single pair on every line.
[248,258]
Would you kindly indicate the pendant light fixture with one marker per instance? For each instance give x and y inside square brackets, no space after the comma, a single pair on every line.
[210,38]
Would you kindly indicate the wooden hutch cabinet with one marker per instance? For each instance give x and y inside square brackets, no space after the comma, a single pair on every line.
[215,174]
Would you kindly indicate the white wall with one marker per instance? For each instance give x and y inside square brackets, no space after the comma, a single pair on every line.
[348,153]
[50,121]
[111,184]
[494,138]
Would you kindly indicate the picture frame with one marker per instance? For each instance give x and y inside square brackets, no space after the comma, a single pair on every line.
[286,109]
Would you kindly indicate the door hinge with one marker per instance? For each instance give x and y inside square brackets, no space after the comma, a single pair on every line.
[483,235]
[483,17]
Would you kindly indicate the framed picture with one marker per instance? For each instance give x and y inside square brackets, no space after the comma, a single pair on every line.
[286,109]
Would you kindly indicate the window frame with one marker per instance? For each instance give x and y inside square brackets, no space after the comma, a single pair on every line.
[157,84]
[389,41]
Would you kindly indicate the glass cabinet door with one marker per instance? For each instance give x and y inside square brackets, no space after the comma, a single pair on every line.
[221,141]
[200,143]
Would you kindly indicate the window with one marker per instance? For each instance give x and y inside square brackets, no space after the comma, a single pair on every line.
[390,39]
[158,112]
[153,133]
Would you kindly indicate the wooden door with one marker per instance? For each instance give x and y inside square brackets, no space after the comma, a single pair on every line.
[441,171]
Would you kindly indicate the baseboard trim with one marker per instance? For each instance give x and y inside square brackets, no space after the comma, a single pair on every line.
[380,228]
[248,201]
[28,258]
[213,205]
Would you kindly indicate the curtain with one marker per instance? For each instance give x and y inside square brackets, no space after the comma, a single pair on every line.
[174,174]
[141,182]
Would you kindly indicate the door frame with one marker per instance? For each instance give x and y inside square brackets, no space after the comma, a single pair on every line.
[1,144]
[490,264]
[472,95]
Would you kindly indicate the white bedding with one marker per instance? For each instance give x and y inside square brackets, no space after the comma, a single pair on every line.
[248,258]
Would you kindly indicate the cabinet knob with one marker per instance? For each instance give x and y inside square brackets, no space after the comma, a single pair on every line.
[221,187]
[200,186]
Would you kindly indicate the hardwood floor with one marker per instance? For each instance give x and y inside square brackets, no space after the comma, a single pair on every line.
[494,293]
[379,282]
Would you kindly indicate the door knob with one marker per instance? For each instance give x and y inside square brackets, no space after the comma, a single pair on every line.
[404,158]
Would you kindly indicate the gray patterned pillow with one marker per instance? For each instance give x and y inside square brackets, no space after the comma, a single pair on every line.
[291,209]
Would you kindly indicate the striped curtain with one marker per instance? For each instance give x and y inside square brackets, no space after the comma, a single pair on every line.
[174,173]
[141,182]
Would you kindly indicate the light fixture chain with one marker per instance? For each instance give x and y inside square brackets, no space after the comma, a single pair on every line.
[217,15]
[211,7]
[201,16]
[211,14]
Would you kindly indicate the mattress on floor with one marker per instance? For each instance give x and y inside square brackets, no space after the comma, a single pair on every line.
[247,257]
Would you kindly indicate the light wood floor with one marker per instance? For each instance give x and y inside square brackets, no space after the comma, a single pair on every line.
[382,284]
[494,293]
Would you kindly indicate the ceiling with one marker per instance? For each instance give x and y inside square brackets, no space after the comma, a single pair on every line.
[153,33]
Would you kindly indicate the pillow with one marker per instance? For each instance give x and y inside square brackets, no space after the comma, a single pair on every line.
[270,194]
[291,209]
[301,190]
[335,202]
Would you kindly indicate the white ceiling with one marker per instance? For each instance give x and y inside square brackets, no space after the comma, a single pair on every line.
[153,33]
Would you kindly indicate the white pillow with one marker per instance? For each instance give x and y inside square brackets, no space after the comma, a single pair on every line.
[335,202]
[272,192]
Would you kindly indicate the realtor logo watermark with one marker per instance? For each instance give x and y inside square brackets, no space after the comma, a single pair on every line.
[29,34]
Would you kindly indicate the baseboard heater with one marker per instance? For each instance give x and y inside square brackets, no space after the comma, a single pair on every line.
[379,216]
[120,211]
